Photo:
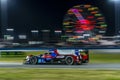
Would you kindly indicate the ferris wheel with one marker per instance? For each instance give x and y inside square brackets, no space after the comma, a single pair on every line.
[83,22]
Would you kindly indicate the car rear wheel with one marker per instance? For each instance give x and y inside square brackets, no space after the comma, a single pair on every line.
[33,60]
[69,60]
[86,61]
[80,62]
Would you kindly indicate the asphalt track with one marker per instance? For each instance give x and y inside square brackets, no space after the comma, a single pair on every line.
[83,66]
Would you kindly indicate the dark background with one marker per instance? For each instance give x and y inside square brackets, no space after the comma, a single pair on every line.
[24,15]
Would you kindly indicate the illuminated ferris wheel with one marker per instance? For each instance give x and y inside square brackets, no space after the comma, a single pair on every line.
[83,22]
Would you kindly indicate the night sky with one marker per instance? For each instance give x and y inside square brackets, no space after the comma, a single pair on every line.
[25,15]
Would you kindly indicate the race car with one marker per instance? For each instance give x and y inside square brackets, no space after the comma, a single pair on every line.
[59,56]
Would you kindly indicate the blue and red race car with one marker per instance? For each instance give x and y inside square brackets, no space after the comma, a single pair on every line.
[59,56]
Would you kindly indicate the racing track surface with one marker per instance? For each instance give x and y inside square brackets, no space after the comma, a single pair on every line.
[83,66]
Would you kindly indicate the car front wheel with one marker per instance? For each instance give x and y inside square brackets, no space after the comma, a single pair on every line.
[69,60]
[33,60]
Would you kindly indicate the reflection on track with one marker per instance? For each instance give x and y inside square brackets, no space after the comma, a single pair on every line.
[84,66]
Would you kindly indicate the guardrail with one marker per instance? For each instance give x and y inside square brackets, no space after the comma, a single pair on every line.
[14,51]
[40,49]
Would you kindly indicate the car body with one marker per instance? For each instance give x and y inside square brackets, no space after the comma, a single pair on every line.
[59,56]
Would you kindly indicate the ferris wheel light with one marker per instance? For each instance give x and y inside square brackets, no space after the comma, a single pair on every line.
[85,21]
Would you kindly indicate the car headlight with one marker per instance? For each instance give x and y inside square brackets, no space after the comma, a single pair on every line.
[27,57]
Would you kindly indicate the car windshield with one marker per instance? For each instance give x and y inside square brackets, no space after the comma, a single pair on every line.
[70,51]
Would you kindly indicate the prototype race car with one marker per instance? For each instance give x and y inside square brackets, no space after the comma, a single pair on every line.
[59,56]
